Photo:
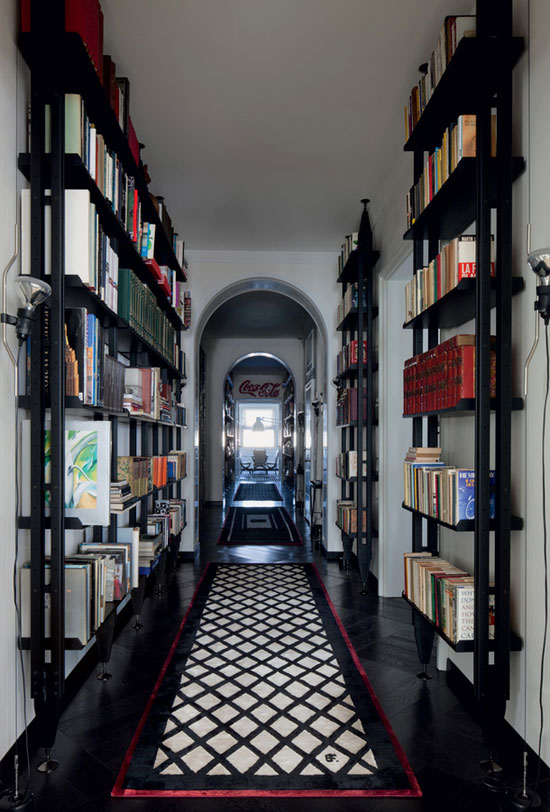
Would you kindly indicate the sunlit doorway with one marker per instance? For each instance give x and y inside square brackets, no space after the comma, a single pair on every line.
[258,449]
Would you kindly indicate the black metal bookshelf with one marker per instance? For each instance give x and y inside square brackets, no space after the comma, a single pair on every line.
[59,64]
[359,435]
[477,80]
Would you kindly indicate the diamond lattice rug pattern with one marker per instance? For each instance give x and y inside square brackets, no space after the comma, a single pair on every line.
[262,694]
[259,525]
[257,492]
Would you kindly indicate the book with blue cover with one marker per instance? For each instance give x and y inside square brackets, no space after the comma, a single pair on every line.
[465,495]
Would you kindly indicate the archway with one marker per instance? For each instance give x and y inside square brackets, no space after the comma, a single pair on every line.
[219,345]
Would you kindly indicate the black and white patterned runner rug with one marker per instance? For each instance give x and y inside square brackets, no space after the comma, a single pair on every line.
[262,694]
[259,525]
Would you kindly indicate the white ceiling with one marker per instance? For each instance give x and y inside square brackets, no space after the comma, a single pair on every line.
[266,121]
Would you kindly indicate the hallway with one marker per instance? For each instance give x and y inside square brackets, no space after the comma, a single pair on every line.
[439,736]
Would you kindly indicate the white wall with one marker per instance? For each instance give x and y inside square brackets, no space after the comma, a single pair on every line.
[221,354]
[314,275]
[395,345]
[13,94]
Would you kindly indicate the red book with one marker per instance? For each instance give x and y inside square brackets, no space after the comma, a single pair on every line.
[133,142]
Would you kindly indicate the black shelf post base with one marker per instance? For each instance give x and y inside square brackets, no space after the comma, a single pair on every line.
[104,639]
[47,715]
[138,594]
[424,635]
[18,803]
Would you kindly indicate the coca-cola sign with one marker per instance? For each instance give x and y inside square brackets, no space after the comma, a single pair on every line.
[267,389]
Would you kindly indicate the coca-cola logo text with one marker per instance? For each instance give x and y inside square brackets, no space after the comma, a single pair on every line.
[268,389]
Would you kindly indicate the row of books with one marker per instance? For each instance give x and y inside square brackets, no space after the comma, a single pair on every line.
[96,575]
[442,376]
[442,491]
[83,17]
[176,510]
[102,572]
[347,464]
[173,288]
[455,262]
[346,517]
[445,594]
[453,30]
[138,306]
[98,377]
[349,302]
[346,406]
[145,394]
[82,138]
[349,245]
[459,141]
[347,357]
[143,473]
[88,252]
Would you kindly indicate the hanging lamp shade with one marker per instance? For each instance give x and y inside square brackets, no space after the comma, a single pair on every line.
[258,425]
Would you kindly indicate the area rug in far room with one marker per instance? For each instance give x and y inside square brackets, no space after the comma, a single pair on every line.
[257,492]
[259,525]
[263,695]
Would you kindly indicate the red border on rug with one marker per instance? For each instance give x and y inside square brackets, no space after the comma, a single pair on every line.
[119,792]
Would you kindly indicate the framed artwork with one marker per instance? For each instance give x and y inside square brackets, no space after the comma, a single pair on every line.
[87,469]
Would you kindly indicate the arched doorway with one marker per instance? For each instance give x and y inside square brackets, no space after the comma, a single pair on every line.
[259,317]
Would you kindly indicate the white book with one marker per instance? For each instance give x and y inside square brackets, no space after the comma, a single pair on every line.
[92,168]
[77,603]
[78,234]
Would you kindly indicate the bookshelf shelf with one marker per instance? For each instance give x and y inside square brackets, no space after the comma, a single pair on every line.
[350,319]
[464,645]
[354,478]
[453,208]
[465,525]
[459,89]
[458,305]
[466,406]
[352,373]
[374,535]
[350,272]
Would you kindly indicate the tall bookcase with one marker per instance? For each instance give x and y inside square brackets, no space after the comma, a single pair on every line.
[355,380]
[477,81]
[61,63]
[289,433]
[229,431]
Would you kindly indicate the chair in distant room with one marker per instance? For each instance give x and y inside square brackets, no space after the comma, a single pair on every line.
[273,466]
[259,461]
[245,465]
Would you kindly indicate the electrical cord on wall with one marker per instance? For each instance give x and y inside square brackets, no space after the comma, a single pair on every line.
[17,794]
[545,556]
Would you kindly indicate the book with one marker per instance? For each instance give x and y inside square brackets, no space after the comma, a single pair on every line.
[77,601]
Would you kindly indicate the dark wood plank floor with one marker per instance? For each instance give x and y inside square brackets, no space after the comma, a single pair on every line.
[440,736]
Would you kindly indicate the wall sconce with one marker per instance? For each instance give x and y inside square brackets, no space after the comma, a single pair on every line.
[32,292]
